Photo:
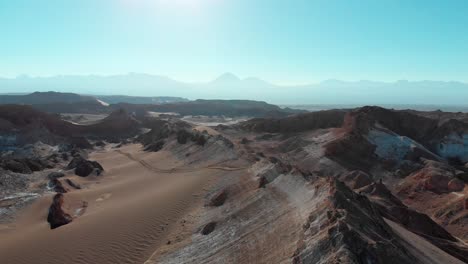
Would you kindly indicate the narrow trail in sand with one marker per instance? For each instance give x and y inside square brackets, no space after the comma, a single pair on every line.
[131,210]
[174,170]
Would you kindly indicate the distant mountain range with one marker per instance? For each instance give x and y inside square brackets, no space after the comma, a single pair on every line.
[229,86]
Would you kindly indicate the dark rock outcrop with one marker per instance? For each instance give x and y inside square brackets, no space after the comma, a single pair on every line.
[16,166]
[218,198]
[183,136]
[57,216]
[24,165]
[85,167]
[155,147]
[353,232]
[262,182]
[208,228]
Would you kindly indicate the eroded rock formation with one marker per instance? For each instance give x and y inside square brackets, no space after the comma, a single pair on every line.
[57,217]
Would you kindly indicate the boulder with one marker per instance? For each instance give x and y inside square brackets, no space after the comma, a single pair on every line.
[57,216]
[219,198]
[208,228]
[85,167]
[74,162]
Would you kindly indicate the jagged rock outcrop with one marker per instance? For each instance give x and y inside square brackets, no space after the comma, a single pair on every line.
[181,131]
[349,229]
[161,130]
[156,146]
[57,217]
[392,208]
[25,166]
[15,166]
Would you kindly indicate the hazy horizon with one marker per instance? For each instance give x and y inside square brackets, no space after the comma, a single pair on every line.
[230,86]
[215,77]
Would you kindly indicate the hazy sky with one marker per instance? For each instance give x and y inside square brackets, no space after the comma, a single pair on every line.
[284,41]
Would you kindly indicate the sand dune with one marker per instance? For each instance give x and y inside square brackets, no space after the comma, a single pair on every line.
[130,211]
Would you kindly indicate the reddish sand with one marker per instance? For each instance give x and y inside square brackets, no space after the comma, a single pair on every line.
[131,210]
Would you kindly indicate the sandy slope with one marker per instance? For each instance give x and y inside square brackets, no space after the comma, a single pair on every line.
[131,210]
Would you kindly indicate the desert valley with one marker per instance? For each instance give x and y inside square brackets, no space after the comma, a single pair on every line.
[84,180]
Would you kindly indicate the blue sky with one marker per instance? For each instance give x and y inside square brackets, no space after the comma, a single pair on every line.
[283,41]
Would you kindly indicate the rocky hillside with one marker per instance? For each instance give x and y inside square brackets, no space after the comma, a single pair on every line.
[20,125]
[409,166]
